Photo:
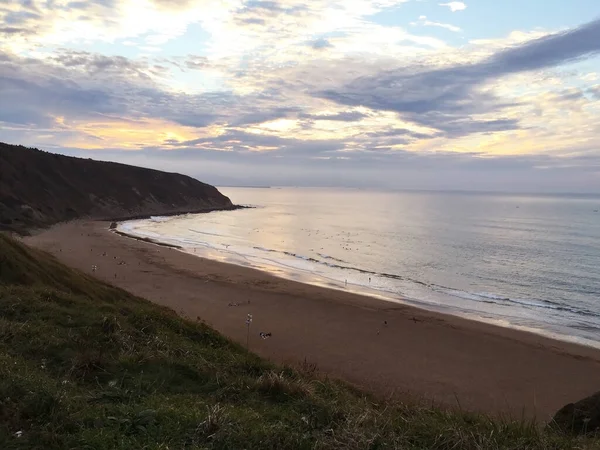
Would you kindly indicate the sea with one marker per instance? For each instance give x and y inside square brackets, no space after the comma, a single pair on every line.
[522,261]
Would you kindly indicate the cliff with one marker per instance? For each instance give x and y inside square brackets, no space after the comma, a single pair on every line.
[38,189]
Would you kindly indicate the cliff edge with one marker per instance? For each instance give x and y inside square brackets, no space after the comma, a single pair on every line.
[38,189]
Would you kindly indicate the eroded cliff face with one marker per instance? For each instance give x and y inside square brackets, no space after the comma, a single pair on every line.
[38,189]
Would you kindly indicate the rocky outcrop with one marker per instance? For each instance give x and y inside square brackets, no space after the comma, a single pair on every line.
[579,418]
[38,189]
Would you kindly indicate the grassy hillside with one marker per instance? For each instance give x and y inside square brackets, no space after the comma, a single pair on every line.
[86,365]
[38,189]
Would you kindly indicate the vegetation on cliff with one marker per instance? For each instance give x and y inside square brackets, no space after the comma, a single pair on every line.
[38,189]
[87,365]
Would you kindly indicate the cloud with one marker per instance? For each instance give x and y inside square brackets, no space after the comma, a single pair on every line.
[345,116]
[33,23]
[10,31]
[320,43]
[455,6]
[446,98]
[252,115]
[440,102]
[428,23]
[80,88]
[170,5]
[550,50]
[239,142]
[296,90]
[196,62]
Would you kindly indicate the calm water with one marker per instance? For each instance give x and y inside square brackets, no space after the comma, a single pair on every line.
[521,261]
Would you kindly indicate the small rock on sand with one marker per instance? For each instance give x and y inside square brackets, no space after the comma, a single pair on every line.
[581,417]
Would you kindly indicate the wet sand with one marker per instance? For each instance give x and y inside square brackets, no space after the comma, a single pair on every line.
[420,354]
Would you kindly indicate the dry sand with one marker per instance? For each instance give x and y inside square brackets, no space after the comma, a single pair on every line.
[426,355]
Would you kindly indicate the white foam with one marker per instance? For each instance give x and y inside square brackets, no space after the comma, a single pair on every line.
[160,219]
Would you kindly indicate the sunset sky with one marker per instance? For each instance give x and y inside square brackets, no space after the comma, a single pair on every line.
[485,94]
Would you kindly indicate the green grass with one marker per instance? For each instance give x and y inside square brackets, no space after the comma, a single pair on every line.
[88,366]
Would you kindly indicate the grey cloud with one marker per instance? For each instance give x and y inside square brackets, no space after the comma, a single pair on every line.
[34,17]
[101,85]
[395,132]
[79,77]
[197,120]
[33,102]
[594,91]
[93,62]
[13,30]
[550,50]
[20,17]
[254,115]
[253,21]
[264,13]
[243,141]
[344,116]
[265,4]
[271,8]
[456,127]
[569,95]
[320,44]
[120,95]
[451,95]
[29,5]
[76,5]
[193,62]
[22,115]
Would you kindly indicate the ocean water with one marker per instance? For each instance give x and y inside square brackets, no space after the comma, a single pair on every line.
[522,261]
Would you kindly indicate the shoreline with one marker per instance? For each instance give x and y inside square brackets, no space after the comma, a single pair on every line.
[385,347]
[318,280]
[40,228]
[173,213]
[145,239]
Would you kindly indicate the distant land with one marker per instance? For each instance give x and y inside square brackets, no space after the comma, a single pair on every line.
[39,189]
[243,186]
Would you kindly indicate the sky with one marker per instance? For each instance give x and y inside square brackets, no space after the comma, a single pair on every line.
[498,95]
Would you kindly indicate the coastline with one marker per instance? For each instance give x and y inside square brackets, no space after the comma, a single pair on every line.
[297,274]
[419,353]
[173,213]
[144,239]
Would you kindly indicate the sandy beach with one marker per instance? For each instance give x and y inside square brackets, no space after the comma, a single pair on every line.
[388,348]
